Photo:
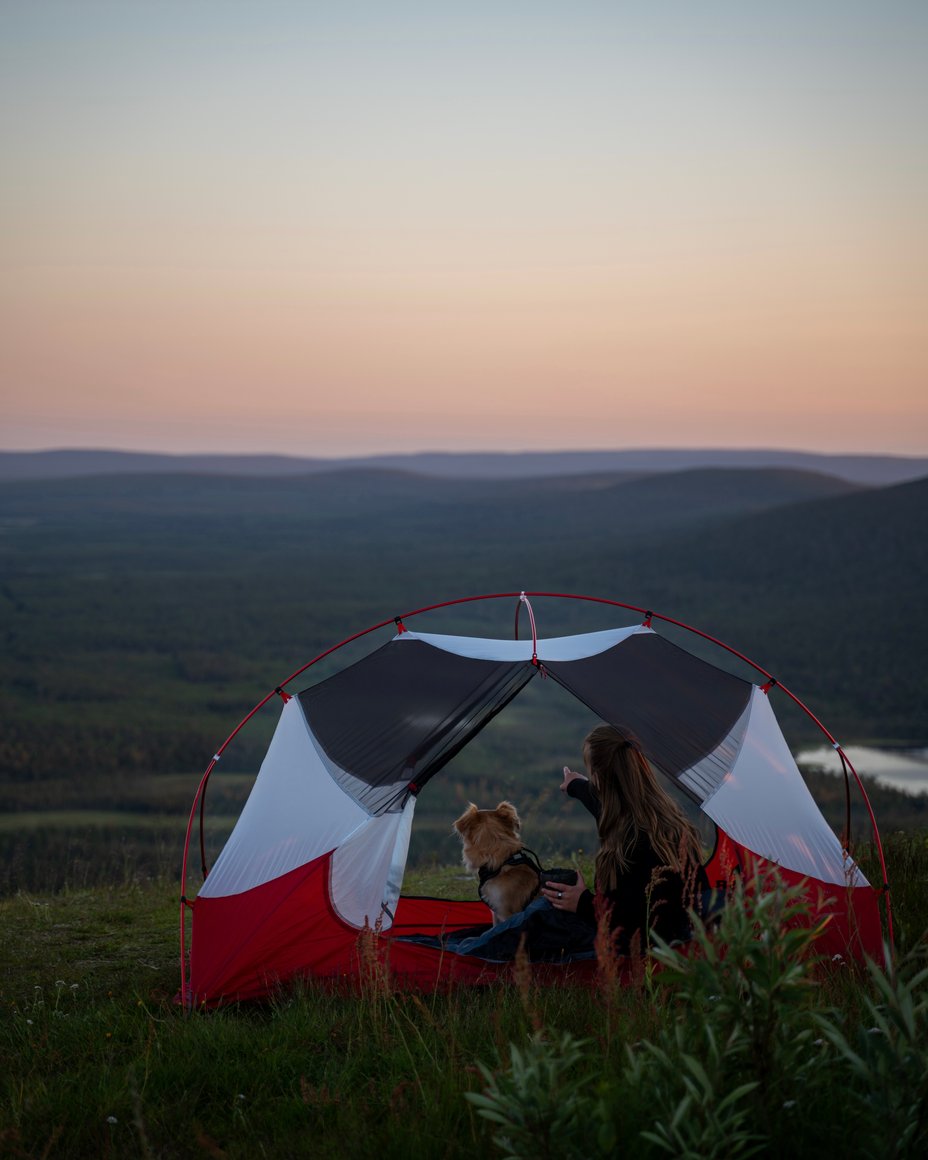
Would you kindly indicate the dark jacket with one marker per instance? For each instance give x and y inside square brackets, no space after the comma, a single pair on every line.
[649,896]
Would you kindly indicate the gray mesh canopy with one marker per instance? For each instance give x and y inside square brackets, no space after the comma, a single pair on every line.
[390,722]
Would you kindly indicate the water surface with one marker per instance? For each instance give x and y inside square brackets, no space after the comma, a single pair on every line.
[905,769]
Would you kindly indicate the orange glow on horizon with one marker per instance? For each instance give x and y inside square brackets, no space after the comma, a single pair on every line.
[357,241]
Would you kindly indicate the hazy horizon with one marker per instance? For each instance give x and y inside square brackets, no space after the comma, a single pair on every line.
[348,230]
[593,450]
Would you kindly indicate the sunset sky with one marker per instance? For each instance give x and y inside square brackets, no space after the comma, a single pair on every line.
[347,228]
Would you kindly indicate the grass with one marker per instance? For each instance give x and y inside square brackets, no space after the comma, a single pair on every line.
[91,1036]
[139,634]
[97,1060]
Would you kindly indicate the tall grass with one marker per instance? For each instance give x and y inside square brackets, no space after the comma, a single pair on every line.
[762,1050]
[46,852]
[97,1060]
[48,859]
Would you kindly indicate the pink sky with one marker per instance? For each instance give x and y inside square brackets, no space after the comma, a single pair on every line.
[318,234]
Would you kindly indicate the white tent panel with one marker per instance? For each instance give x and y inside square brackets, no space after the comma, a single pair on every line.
[367,870]
[561,648]
[764,804]
[294,814]
[705,777]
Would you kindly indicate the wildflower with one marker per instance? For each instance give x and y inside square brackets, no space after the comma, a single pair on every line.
[837,958]
[817,1042]
[789,1103]
[240,1096]
[29,1021]
[112,1120]
[74,986]
[874,1030]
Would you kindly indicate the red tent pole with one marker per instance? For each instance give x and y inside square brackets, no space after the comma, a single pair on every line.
[792,696]
[200,796]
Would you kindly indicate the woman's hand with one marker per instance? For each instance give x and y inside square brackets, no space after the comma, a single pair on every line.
[561,896]
[569,776]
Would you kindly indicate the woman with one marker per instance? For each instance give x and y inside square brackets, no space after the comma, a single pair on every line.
[648,869]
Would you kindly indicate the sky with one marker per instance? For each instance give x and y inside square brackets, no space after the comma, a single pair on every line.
[350,228]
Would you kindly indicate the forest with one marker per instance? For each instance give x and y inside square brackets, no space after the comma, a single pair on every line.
[144,615]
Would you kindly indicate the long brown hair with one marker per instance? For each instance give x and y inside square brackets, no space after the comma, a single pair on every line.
[633,803]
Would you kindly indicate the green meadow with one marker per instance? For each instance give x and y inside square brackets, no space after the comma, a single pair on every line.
[142,617]
[762,1052]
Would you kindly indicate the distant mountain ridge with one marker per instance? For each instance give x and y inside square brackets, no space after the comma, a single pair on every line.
[829,589]
[141,612]
[871,470]
[571,508]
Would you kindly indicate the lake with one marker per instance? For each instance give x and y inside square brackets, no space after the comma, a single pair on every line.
[905,769]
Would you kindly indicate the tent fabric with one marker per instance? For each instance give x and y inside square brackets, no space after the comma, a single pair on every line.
[679,707]
[319,850]
[850,914]
[420,707]
[763,803]
[246,947]
[547,649]
[295,813]
[367,868]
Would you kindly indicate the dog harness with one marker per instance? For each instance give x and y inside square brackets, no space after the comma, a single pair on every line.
[523,857]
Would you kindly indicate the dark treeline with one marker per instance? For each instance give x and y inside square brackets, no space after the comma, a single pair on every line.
[141,617]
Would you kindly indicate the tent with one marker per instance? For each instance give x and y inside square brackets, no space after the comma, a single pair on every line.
[318,854]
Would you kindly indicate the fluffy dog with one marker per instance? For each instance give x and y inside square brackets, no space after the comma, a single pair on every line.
[509,879]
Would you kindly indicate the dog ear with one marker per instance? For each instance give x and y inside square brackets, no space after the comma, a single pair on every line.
[507,812]
[465,822]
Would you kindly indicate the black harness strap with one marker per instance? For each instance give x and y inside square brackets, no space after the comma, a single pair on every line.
[523,857]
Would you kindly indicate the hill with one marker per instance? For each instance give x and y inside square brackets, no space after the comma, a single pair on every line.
[75,462]
[143,615]
[831,592]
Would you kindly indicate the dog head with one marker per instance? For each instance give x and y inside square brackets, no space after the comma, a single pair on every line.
[489,837]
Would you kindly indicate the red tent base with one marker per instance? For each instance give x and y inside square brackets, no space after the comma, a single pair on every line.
[295,934]
[851,914]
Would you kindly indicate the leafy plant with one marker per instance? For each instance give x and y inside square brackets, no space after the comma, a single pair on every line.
[704,1116]
[541,1103]
[756,959]
[886,1061]
[739,1043]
